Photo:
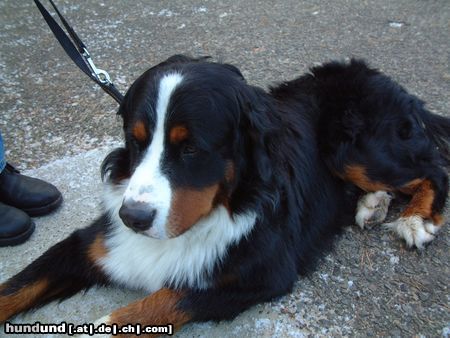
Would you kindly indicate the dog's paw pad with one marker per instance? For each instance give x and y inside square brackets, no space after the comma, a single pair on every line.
[413,230]
[372,208]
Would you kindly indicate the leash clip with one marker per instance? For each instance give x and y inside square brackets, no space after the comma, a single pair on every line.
[101,75]
[77,51]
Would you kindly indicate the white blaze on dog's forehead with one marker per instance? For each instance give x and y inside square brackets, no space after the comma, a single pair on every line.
[148,184]
[143,198]
[148,171]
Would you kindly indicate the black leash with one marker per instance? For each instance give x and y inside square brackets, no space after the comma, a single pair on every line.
[78,52]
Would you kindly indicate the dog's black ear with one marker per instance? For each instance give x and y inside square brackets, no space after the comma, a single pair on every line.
[258,127]
[116,165]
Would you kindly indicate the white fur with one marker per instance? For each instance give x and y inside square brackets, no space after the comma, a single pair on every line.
[414,230]
[97,323]
[372,208]
[103,320]
[431,228]
[148,184]
[139,261]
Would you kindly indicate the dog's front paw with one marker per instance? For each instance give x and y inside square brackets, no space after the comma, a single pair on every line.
[414,230]
[372,208]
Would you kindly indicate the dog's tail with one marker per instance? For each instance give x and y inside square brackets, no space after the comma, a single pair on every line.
[438,130]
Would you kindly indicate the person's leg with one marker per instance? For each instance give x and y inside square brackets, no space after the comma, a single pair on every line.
[15,225]
[21,197]
[31,195]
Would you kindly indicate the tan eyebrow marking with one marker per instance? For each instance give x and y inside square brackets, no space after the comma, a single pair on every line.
[178,134]
[139,131]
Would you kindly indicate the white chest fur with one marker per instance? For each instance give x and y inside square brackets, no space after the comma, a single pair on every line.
[138,261]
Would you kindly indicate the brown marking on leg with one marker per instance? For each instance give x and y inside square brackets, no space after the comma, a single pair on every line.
[421,203]
[357,174]
[139,131]
[178,134]
[411,187]
[188,206]
[160,308]
[97,249]
[18,301]
[438,219]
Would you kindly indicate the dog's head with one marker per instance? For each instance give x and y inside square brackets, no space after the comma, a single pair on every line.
[189,124]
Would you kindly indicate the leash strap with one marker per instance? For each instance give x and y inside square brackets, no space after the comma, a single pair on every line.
[78,52]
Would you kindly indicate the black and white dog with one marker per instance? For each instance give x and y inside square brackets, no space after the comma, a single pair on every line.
[224,193]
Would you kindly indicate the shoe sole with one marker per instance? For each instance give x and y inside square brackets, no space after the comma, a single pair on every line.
[18,239]
[44,210]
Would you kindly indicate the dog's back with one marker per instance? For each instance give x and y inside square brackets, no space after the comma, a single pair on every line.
[373,133]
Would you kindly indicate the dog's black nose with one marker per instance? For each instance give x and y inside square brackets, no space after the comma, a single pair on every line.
[137,216]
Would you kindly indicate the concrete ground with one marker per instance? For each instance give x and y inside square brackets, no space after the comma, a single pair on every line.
[58,126]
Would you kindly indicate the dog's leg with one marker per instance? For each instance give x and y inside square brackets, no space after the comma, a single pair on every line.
[422,218]
[160,308]
[168,306]
[66,268]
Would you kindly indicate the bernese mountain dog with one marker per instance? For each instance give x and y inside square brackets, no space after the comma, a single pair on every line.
[224,193]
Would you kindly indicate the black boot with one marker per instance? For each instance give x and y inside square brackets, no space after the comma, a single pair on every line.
[15,226]
[31,195]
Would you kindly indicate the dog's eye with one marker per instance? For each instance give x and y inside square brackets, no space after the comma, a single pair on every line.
[188,149]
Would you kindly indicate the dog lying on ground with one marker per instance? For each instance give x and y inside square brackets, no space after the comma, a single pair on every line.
[223,193]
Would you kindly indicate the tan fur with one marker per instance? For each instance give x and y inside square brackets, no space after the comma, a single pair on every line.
[139,131]
[178,134]
[160,308]
[357,174]
[421,202]
[188,206]
[21,300]
[97,250]
[411,187]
